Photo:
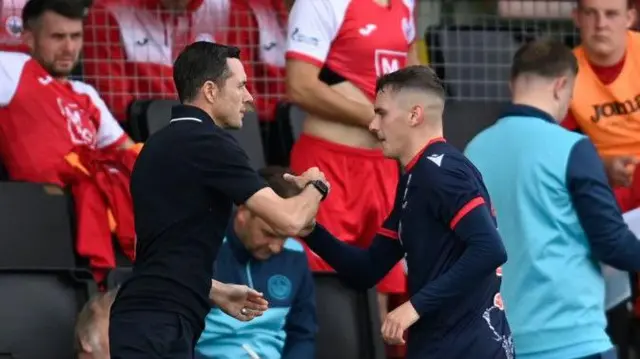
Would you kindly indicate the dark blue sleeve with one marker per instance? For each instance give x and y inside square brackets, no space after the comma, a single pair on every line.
[362,268]
[609,236]
[453,195]
[301,325]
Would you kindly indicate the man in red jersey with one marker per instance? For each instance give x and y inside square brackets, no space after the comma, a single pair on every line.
[336,50]
[131,45]
[55,130]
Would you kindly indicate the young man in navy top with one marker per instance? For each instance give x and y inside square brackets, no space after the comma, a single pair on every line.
[441,222]
[183,186]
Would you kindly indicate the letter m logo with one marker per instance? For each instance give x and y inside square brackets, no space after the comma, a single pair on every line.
[387,61]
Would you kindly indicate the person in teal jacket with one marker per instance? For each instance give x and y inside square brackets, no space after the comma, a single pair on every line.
[556,213]
[253,255]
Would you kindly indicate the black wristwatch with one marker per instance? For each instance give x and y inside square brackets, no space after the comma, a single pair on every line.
[321,187]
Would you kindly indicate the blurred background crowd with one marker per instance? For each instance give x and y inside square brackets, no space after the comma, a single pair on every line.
[63,251]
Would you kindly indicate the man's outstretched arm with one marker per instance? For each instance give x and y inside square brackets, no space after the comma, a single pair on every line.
[225,167]
[362,267]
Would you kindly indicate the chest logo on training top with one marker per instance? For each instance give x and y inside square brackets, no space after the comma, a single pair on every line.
[279,287]
[387,61]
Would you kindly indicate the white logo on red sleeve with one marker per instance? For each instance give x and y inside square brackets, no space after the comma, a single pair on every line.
[388,61]
[408,29]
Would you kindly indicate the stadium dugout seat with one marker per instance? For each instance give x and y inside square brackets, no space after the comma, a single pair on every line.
[42,287]
[475,61]
[38,311]
[148,116]
[348,321]
[463,120]
[283,133]
[279,136]
[35,227]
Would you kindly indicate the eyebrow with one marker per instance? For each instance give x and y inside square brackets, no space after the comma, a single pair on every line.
[379,110]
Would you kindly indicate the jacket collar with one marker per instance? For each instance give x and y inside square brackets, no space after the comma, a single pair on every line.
[527,111]
[191,113]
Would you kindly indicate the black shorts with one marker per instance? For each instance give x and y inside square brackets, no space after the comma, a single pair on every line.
[150,335]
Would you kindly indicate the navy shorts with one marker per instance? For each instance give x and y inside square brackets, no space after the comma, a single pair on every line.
[150,335]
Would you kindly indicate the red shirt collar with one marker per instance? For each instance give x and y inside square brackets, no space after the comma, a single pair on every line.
[415,158]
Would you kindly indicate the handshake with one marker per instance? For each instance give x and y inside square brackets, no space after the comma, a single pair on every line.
[308,201]
[312,176]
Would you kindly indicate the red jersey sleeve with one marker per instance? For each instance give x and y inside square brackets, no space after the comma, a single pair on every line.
[11,66]
[312,27]
[105,61]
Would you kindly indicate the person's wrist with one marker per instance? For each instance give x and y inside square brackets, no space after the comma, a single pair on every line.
[319,187]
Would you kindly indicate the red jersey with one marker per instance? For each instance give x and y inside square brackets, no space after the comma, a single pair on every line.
[130,46]
[357,39]
[11,17]
[42,120]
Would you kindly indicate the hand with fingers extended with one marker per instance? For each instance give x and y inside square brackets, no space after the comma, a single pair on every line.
[238,301]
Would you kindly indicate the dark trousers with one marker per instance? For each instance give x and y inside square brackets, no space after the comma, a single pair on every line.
[150,335]
[619,328]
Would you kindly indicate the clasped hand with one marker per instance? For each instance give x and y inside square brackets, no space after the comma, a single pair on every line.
[312,174]
[397,322]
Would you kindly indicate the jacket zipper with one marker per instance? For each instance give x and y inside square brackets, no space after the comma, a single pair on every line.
[249,277]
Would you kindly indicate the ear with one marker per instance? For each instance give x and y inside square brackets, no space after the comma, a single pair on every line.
[28,39]
[575,13]
[632,15]
[560,85]
[211,91]
[242,214]
[416,115]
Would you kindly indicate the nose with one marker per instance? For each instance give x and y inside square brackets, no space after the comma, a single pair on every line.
[248,96]
[600,20]
[275,247]
[374,125]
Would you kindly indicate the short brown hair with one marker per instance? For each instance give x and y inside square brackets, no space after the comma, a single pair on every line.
[71,9]
[545,57]
[274,176]
[418,77]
